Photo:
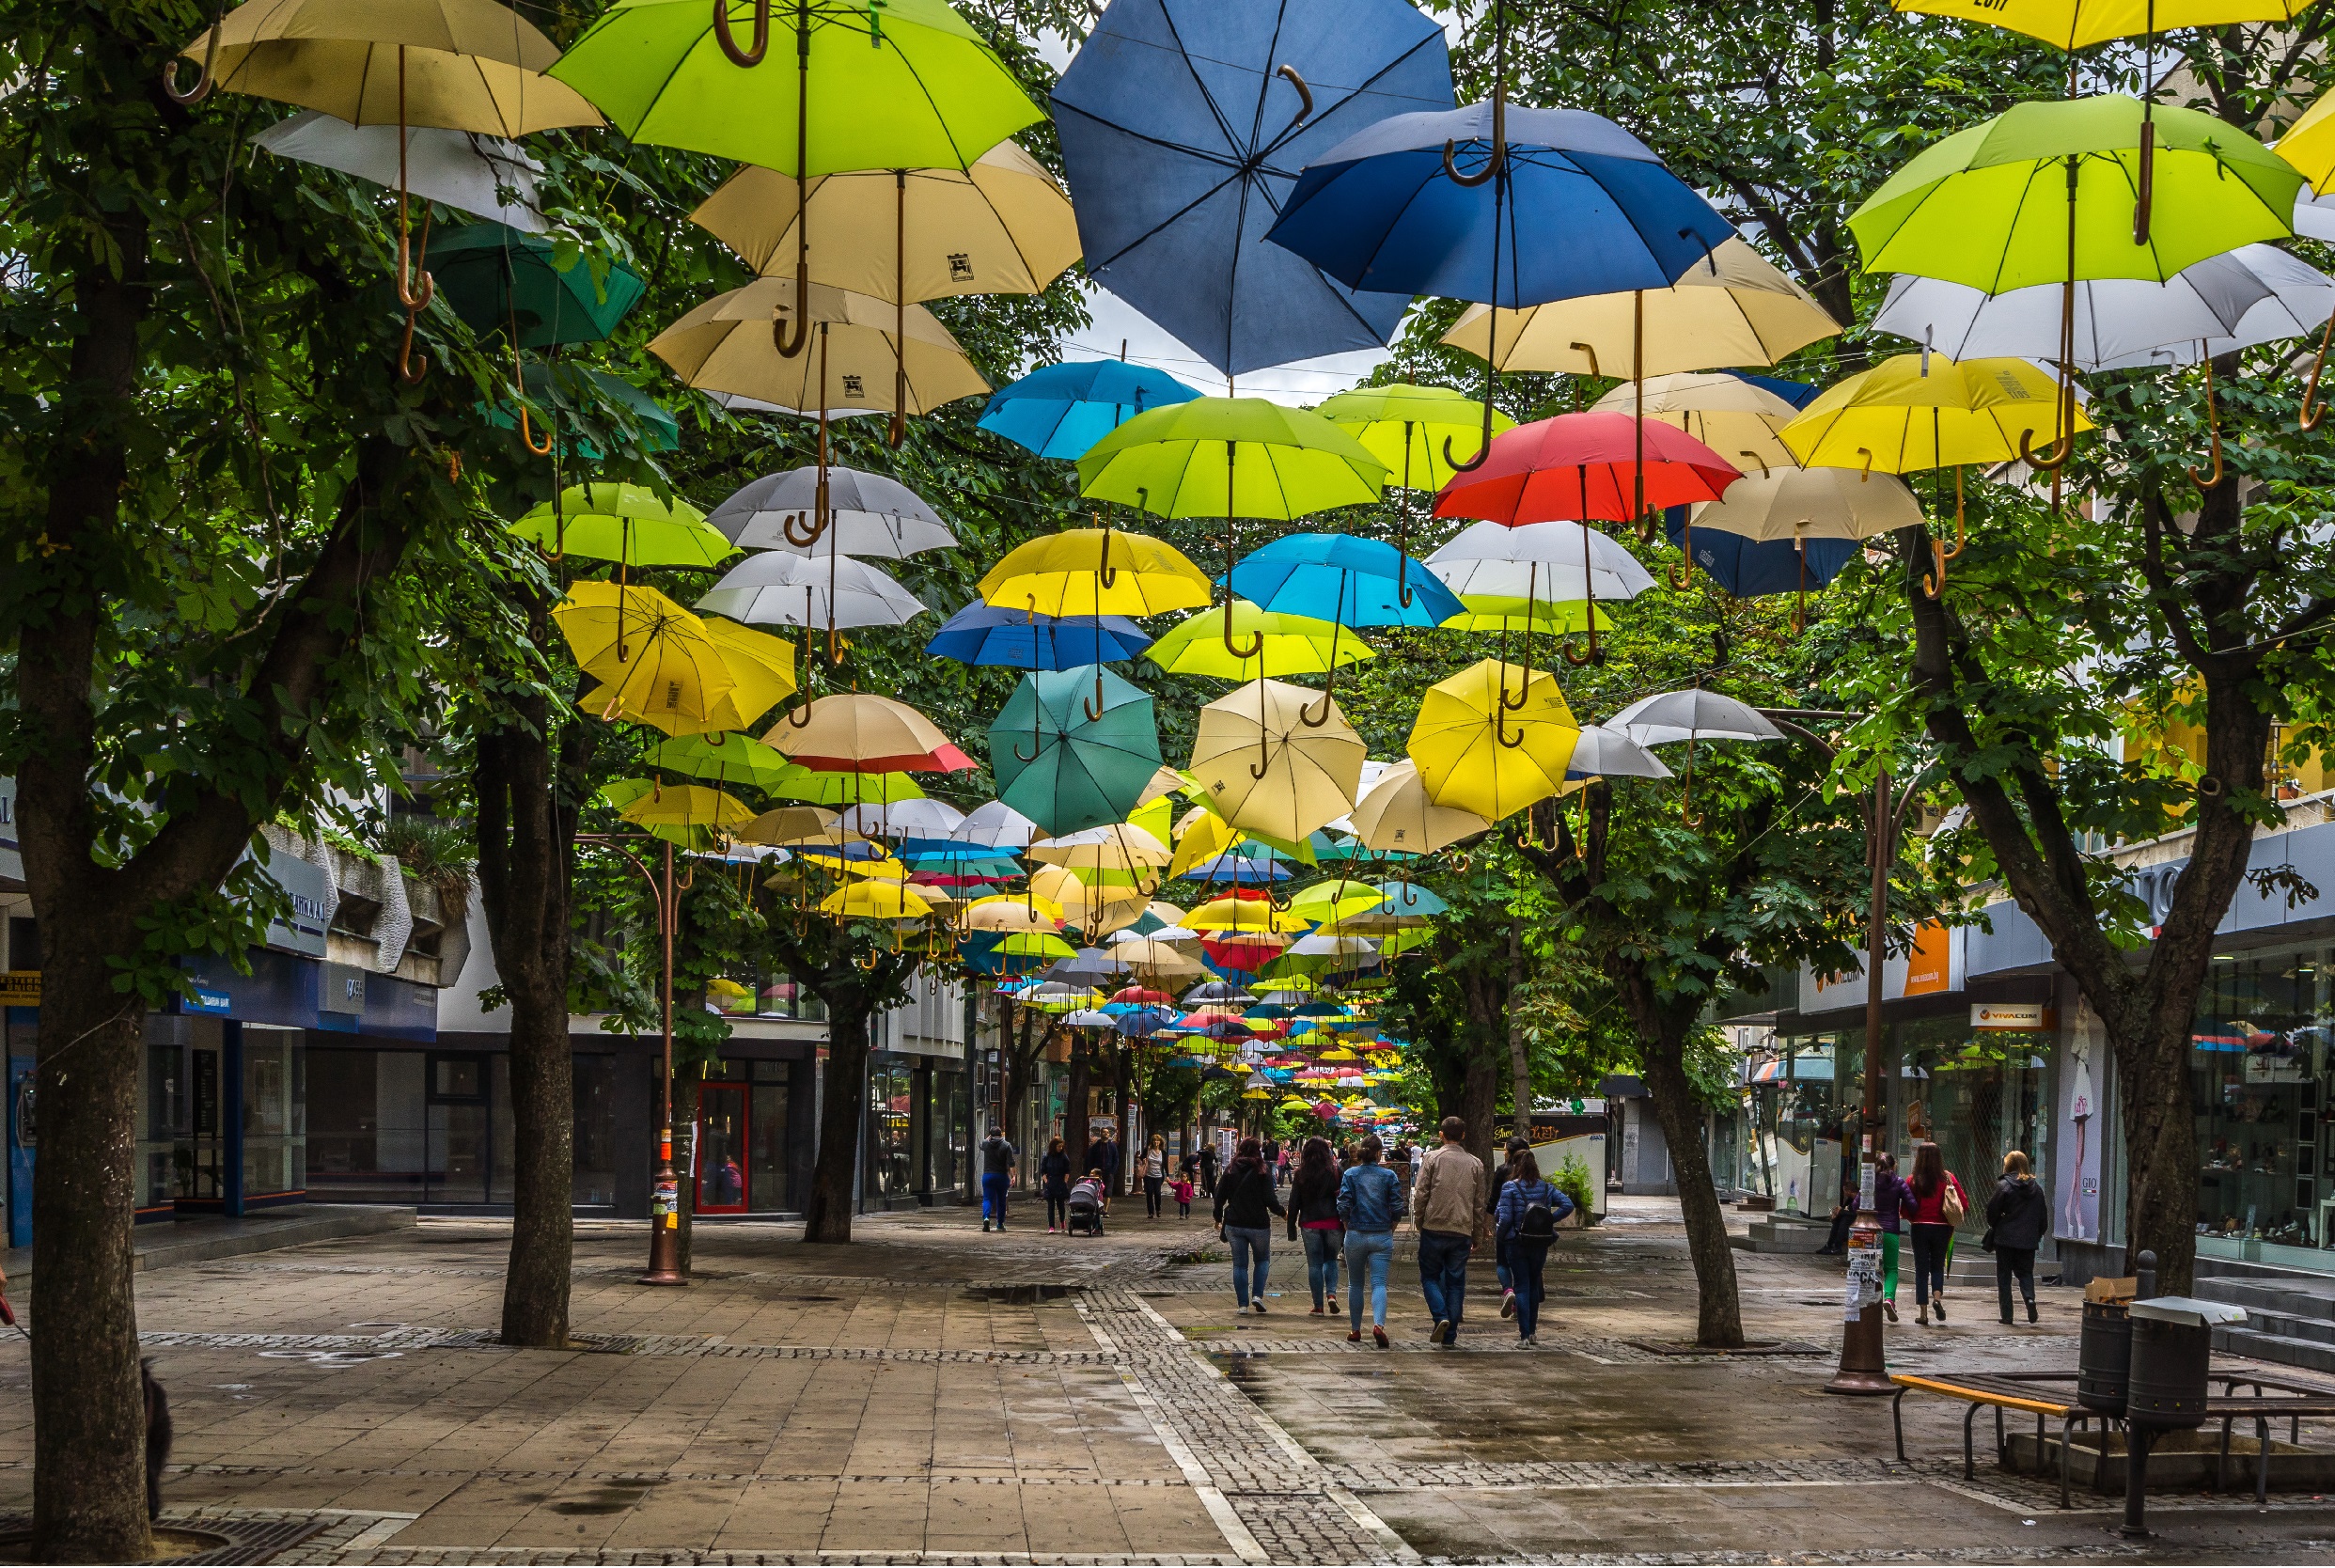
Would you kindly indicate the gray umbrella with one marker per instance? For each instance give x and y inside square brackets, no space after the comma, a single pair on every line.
[869,516]
[483,175]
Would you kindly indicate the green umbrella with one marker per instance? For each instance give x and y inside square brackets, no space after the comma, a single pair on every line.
[877,85]
[498,279]
[1231,457]
[798,782]
[730,759]
[626,524]
[1068,761]
[569,385]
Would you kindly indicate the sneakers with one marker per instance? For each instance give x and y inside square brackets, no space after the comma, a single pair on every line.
[1050,1230]
[1379,1334]
[1508,1304]
[1889,1309]
[1355,1338]
[984,1228]
[1257,1307]
[1316,1313]
[1434,1335]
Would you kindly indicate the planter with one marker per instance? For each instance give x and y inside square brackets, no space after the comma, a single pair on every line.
[1756,1204]
[2178,1462]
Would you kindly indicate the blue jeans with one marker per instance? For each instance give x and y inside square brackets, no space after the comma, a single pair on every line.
[1322,1264]
[1247,1242]
[1525,1259]
[994,1186]
[1504,1261]
[1368,1251]
[1443,1274]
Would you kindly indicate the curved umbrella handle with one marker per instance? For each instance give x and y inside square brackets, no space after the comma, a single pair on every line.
[1491,383]
[2313,411]
[526,433]
[1092,705]
[1495,164]
[1500,725]
[203,84]
[730,44]
[792,347]
[412,367]
[1105,574]
[1305,107]
[2046,462]
[1755,456]
[2213,423]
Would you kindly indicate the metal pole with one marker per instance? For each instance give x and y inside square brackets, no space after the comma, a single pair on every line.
[664,1203]
[1882,841]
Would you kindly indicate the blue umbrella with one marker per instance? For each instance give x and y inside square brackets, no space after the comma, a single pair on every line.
[1750,568]
[1184,123]
[1346,581]
[1237,868]
[1064,408]
[997,635]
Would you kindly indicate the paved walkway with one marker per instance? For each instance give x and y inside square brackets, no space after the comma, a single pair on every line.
[934,1394]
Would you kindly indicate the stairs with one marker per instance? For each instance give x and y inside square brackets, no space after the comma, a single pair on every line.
[2289,1321]
[1788,1234]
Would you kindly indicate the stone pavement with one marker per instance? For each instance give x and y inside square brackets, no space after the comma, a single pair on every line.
[932,1394]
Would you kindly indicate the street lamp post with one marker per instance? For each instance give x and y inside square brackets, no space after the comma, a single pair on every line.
[665,1265]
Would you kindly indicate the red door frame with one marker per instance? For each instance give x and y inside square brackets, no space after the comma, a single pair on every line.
[744,1104]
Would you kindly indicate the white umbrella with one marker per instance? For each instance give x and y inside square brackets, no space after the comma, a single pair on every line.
[1728,414]
[2314,215]
[924,818]
[778,588]
[2299,302]
[1091,1018]
[1691,716]
[485,176]
[997,826]
[1538,560]
[868,515]
[1600,752]
[2115,318]
[1811,503]
[1319,947]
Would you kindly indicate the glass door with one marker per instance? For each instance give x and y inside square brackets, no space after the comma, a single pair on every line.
[722,1149]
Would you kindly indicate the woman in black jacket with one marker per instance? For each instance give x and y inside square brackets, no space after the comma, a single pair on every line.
[1054,1173]
[1313,1212]
[2017,1217]
[1244,1199]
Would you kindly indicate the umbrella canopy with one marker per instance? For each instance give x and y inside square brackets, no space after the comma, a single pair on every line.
[1182,137]
[498,279]
[2300,300]
[1292,644]
[1925,410]
[997,826]
[730,758]
[858,732]
[1327,902]
[868,515]
[686,806]
[842,787]
[1603,752]
[724,345]
[875,901]
[1059,411]
[1991,207]
[1243,864]
[1751,568]
[1587,465]
[460,65]
[2310,141]
[776,588]
[1405,427]
[2116,319]
[1462,748]
[1227,457]
[1270,763]
[487,177]
[1343,579]
[1082,572]
[1733,307]
[1689,716]
[1554,561]
[1066,761]
[1006,912]
[1791,503]
[1109,847]
[1397,814]
[2073,25]
[625,523]
[1000,635]
[1578,206]
[919,818]
[1734,417]
[793,825]
[654,660]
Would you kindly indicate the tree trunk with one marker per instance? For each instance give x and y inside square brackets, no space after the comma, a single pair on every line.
[1519,1063]
[827,1217]
[1662,1036]
[1123,1071]
[1074,1111]
[2160,1155]
[542,1226]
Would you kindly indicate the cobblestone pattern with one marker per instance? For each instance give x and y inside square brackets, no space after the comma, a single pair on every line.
[656,1477]
[409,1337]
[427,1557]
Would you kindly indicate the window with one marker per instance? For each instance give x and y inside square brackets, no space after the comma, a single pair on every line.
[2258,1079]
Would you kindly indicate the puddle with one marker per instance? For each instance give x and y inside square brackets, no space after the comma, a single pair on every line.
[1017,1295]
[609,1499]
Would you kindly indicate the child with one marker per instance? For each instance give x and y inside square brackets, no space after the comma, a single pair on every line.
[1181,1187]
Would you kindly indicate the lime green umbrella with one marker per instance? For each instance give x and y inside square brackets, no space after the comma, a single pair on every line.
[1293,645]
[626,524]
[876,84]
[1231,457]
[1327,901]
[726,759]
[798,782]
[1404,427]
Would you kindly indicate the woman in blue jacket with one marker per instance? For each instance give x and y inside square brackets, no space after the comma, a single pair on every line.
[1370,1201]
[1525,1223]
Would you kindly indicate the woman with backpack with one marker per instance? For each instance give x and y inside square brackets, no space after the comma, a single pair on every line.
[2017,1217]
[1526,1225]
[1244,1196]
[1369,1200]
[1313,1211]
[1933,1204]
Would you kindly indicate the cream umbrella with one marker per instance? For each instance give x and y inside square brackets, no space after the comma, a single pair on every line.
[724,345]
[858,732]
[1733,417]
[1115,847]
[1269,766]
[1397,815]
[796,824]
[1791,502]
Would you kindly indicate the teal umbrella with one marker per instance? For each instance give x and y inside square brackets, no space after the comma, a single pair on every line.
[565,388]
[1074,748]
[498,279]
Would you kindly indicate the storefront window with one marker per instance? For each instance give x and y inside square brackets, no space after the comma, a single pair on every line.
[366,1126]
[2258,1064]
[594,1131]
[945,1130]
[162,1097]
[275,1125]
[891,1148]
[1977,1094]
[1811,1084]
[781,995]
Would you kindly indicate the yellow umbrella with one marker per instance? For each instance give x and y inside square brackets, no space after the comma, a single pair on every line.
[1204,836]
[1118,847]
[687,806]
[1284,644]
[1091,907]
[653,659]
[877,870]
[1468,758]
[762,667]
[1730,416]
[2310,144]
[1012,911]
[1162,959]
[875,901]
[1096,571]
[2072,24]
[1271,764]
[1243,916]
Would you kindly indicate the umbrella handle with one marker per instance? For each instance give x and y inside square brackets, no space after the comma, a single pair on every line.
[1256,645]
[2213,423]
[519,395]
[792,348]
[203,84]
[2049,462]
[1500,725]
[1483,452]
[1934,584]
[1305,108]
[1105,574]
[1092,705]
[2310,415]
[804,542]
[748,58]
[1755,458]
[412,298]
[412,367]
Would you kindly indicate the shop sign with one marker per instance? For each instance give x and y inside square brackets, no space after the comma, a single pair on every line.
[2028,1016]
[20,988]
[315,898]
[1930,967]
[205,998]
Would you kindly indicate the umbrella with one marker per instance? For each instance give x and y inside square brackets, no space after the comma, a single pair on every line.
[997,826]
[2073,25]
[1292,644]
[866,355]
[1410,428]
[724,758]
[845,787]
[1107,847]
[485,176]
[1059,411]
[1345,580]
[794,826]
[1083,571]
[866,514]
[1792,503]
[624,522]
[1307,768]
[999,634]
[776,588]
[1007,912]
[1327,902]
[875,901]
[1489,560]
[2115,318]
[1239,912]
[1184,124]
[686,806]
[546,382]
[1734,417]
[1466,757]
[655,660]
[857,732]
[1087,761]
[1240,864]
[1601,751]
[1751,567]
[1690,714]
[1396,814]
[917,817]
[497,277]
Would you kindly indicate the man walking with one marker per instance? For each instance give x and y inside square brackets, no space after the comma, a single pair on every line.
[1103,1156]
[1448,1201]
[996,1178]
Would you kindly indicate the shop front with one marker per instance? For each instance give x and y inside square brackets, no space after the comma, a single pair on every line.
[2259,1079]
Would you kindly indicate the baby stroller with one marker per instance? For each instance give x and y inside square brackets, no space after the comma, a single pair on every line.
[1085,1210]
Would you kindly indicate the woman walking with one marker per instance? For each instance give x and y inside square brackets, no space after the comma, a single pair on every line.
[1313,1211]
[1937,1205]
[1154,1175]
[1054,1173]
[1526,1225]
[1369,1200]
[1245,1199]
[1890,1199]
[1501,1266]
[2017,1217]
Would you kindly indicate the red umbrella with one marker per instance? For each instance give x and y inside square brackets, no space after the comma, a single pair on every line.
[1583,466]
[1142,998]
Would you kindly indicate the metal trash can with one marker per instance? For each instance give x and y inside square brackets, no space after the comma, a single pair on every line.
[2103,1358]
[2173,1350]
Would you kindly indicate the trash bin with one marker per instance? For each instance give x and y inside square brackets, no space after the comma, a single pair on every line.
[2103,1358]
[2171,1354]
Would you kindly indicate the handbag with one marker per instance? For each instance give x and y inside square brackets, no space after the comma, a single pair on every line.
[1986,1242]
[1952,1206]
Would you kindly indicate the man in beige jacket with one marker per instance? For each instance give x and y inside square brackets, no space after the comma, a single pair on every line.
[1446,1205]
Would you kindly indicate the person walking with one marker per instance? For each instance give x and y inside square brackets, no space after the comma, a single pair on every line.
[1890,1200]
[2017,1219]
[1370,1201]
[1276,1162]
[1208,1170]
[997,1158]
[1527,1218]
[1103,1156]
[1313,1213]
[1446,1205]
[1937,1205]
[1500,1265]
[1244,1199]
[1154,1172]
[1053,1174]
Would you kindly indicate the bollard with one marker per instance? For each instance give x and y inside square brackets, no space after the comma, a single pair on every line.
[1864,1367]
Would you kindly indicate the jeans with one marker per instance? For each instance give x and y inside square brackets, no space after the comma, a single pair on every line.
[994,1186]
[2010,1262]
[1443,1274]
[1930,1242]
[1151,1189]
[1503,1261]
[1322,1265]
[1249,1242]
[1368,1251]
[1057,1207]
[1526,1258]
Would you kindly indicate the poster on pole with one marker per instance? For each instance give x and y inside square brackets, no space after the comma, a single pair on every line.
[1864,1283]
